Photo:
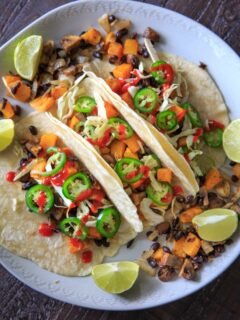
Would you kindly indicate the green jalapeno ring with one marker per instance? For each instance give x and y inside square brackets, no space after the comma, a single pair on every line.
[158,63]
[166,120]
[108,222]
[143,97]
[213,138]
[78,126]
[157,196]
[52,150]
[114,121]
[120,170]
[71,183]
[33,192]
[73,223]
[193,115]
[85,104]
[59,158]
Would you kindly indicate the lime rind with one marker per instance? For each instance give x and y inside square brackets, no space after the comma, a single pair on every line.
[231,140]
[27,56]
[216,224]
[115,277]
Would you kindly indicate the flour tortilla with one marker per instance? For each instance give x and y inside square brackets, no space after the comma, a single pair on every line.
[204,95]
[19,228]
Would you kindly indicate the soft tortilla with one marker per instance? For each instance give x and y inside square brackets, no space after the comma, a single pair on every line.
[19,227]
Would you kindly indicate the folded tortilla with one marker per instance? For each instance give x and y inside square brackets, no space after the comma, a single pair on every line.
[90,84]
[19,228]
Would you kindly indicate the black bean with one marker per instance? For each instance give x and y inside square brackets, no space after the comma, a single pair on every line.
[148,233]
[180,199]
[154,83]
[229,242]
[232,163]
[143,52]
[111,18]
[15,88]
[98,242]
[97,54]
[123,59]
[144,83]
[134,35]
[129,244]
[33,130]
[234,178]
[17,110]
[105,243]
[189,199]
[155,239]
[175,222]
[1,114]
[121,33]
[201,181]
[23,161]
[152,262]
[155,246]
[166,249]
[28,185]
[113,59]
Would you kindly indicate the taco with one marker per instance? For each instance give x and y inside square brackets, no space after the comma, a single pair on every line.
[178,98]
[151,179]
[60,207]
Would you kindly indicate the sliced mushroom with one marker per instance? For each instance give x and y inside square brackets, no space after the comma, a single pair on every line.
[171,260]
[151,34]
[215,201]
[207,247]
[59,63]
[187,271]
[48,47]
[166,273]
[70,42]
[137,197]
[223,189]
[45,78]
[162,227]
[104,23]
[70,71]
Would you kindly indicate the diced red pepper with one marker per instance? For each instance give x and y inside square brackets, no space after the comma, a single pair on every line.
[167,198]
[59,178]
[177,190]
[153,119]
[47,181]
[122,131]
[76,243]
[94,112]
[97,195]
[41,201]
[131,175]
[213,124]
[145,171]
[87,256]
[85,218]
[46,230]
[167,71]
[84,195]
[198,134]
[10,176]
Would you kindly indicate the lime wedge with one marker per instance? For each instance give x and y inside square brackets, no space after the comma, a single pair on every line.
[115,277]
[216,224]
[27,55]
[6,133]
[231,140]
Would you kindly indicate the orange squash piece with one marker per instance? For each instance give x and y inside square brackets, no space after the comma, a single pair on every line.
[187,215]
[130,46]
[19,90]
[137,184]
[122,71]
[129,154]
[110,110]
[39,167]
[128,99]
[92,36]
[115,49]
[7,109]
[48,140]
[117,149]
[93,233]
[43,103]
[165,175]
[212,178]
[158,254]
[178,248]
[114,84]
[132,143]
[180,112]
[110,37]
[58,92]
[236,170]
[191,245]
[72,122]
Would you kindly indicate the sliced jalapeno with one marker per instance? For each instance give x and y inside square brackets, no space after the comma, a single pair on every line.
[74,228]
[145,100]
[75,184]
[128,170]
[56,162]
[162,72]
[214,137]
[85,104]
[108,222]
[166,120]
[193,115]
[122,129]
[39,198]
[163,197]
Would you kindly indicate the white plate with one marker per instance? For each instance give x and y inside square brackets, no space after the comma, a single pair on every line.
[181,36]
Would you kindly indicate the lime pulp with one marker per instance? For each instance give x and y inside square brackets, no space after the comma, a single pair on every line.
[231,140]
[6,133]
